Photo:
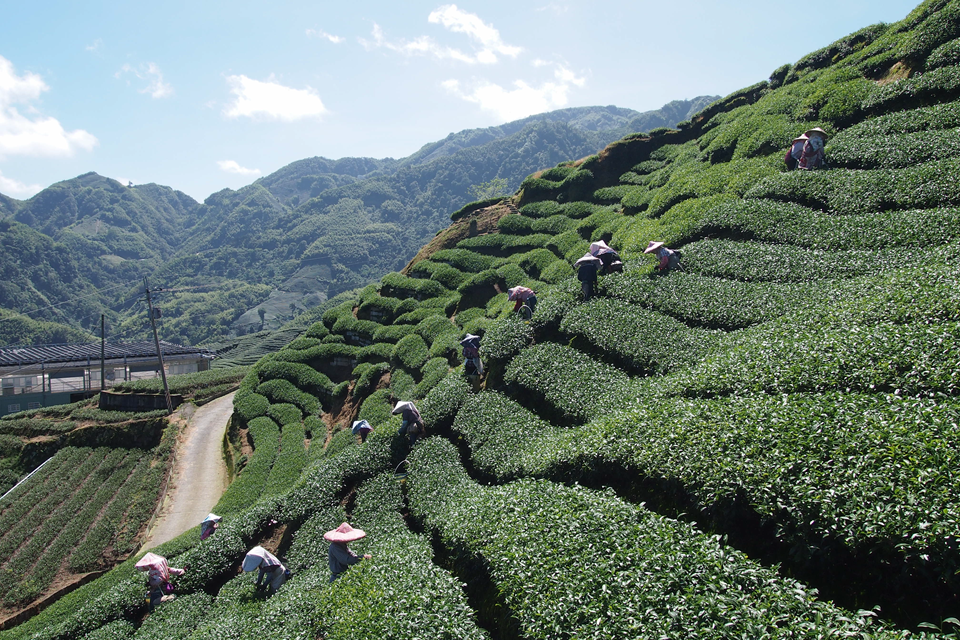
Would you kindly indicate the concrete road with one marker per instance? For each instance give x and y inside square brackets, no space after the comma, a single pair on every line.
[199,475]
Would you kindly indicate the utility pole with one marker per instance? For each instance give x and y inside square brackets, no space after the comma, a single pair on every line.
[102,358]
[156,341]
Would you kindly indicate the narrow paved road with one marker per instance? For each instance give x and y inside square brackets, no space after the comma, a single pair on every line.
[199,475]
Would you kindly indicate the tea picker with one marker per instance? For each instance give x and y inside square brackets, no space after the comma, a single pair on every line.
[412,424]
[339,556]
[361,428]
[472,366]
[607,255]
[526,299]
[669,259]
[209,525]
[587,268]
[272,572]
[159,573]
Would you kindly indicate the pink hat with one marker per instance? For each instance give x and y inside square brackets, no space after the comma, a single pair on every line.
[344,533]
[653,246]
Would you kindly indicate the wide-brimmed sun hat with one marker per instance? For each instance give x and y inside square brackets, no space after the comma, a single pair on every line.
[653,246]
[344,533]
[816,131]
[800,137]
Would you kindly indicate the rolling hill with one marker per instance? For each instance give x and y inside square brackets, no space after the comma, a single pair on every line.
[763,444]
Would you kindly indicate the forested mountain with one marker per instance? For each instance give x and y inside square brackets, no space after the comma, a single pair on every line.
[279,246]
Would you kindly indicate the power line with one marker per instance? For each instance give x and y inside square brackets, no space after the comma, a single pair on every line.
[96,292]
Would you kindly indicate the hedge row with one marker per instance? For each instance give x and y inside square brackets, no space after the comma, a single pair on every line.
[585,564]
[400,592]
[847,191]
[572,386]
[716,303]
[789,223]
[642,340]
[246,489]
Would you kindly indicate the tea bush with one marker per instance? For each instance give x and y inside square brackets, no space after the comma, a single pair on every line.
[248,486]
[643,575]
[395,285]
[290,461]
[756,262]
[400,592]
[411,352]
[640,339]
[894,150]
[402,384]
[463,259]
[788,223]
[939,85]
[392,332]
[279,390]
[572,386]
[501,244]
[432,372]
[284,414]
[860,469]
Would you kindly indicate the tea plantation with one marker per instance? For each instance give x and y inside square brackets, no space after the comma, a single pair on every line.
[763,445]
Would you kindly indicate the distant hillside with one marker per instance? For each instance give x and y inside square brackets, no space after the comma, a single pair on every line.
[281,245]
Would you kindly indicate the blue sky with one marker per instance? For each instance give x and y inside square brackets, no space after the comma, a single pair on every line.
[204,95]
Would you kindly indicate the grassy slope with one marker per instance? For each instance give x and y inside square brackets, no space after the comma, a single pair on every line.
[794,393]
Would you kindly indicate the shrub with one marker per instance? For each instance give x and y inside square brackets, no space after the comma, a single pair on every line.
[411,352]
[280,390]
[642,340]
[571,392]
[399,286]
[463,259]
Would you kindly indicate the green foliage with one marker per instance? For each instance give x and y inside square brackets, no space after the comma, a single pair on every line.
[463,259]
[505,338]
[925,186]
[525,531]
[399,286]
[376,408]
[642,340]
[490,189]
[279,390]
[411,352]
[435,370]
[572,386]
[402,384]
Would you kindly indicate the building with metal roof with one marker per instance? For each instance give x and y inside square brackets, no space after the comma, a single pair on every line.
[34,377]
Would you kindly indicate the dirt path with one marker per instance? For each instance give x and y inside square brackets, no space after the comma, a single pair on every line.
[199,476]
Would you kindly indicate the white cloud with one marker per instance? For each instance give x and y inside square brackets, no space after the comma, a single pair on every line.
[554,8]
[424,45]
[231,166]
[449,16]
[476,29]
[96,46]
[32,134]
[271,101]
[320,33]
[523,99]
[150,72]
[17,189]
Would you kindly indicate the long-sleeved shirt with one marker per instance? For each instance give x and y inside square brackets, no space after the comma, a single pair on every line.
[339,558]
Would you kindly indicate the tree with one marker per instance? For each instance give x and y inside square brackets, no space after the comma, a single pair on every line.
[492,189]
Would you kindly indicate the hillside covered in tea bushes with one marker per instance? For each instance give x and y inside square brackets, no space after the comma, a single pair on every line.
[763,445]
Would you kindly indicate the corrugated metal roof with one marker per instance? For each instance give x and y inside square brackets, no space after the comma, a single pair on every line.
[77,352]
